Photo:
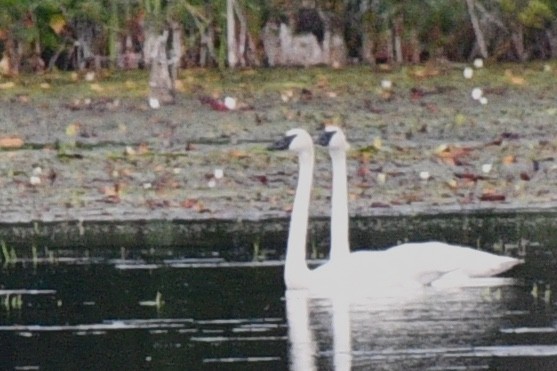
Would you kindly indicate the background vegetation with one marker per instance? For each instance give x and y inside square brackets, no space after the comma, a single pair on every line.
[37,35]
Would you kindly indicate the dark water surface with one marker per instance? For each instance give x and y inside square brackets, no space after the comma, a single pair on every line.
[103,313]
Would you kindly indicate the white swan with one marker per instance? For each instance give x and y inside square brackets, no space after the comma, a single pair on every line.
[354,273]
[463,263]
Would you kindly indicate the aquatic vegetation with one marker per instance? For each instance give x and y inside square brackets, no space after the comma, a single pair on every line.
[11,302]
[9,254]
[157,303]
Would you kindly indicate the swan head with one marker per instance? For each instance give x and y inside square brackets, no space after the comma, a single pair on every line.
[297,140]
[333,137]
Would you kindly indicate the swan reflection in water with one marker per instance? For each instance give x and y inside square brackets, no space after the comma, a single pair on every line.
[425,329]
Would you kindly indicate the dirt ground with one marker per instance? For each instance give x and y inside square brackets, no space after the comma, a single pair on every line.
[84,151]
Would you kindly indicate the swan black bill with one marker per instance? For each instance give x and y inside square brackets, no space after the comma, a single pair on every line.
[325,138]
[281,144]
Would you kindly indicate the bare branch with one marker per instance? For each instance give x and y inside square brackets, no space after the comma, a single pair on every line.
[477,30]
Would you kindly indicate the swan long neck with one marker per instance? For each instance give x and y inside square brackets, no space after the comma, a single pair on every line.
[296,271]
[340,245]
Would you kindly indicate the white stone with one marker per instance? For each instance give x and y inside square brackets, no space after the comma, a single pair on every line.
[468,73]
[386,84]
[477,93]
[90,76]
[424,175]
[154,103]
[218,173]
[486,168]
[34,180]
[230,103]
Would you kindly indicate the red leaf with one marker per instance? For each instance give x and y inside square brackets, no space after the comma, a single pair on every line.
[189,203]
[492,197]
[261,178]
[215,104]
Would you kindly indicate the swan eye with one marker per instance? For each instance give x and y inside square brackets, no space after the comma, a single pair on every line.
[325,138]
[282,144]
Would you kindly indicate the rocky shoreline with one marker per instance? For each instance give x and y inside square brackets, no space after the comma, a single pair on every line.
[421,147]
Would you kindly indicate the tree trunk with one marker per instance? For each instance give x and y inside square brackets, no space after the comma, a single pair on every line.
[13,55]
[231,34]
[517,38]
[175,52]
[160,82]
[414,47]
[398,29]
[113,49]
[390,48]
[477,30]
[368,47]
[551,35]
[243,36]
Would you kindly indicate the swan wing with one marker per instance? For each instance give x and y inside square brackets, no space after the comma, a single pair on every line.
[386,268]
[450,258]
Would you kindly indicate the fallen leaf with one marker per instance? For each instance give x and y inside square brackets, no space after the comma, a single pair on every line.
[214,103]
[469,176]
[11,142]
[509,135]
[492,197]
[189,203]
[52,176]
[452,184]
[452,155]
[412,197]
[111,193]
[306,95]
[195,204]
[200,208]
[286,95]
[112,199]
[157,204]
[363,171]
[143,149]
[261,178]
[524,176]
[509,159]
[416,93]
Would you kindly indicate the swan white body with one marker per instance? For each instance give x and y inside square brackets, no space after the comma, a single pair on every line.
[434,263]
[346,272]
